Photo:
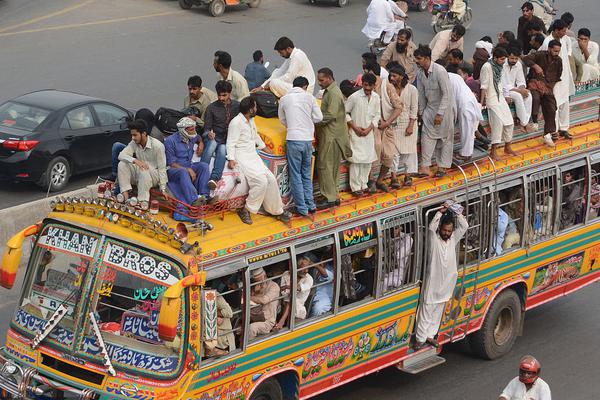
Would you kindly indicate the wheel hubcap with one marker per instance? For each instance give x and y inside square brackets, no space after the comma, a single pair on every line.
[58,174]
[503,329]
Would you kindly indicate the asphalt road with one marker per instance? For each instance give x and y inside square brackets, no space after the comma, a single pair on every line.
[140,53]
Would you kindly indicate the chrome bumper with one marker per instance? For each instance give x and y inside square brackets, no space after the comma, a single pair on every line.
[26,383]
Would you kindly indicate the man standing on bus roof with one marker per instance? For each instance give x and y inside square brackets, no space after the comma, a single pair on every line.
[441,277]
[528,385]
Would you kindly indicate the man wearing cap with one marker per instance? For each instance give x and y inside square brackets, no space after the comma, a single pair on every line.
[187,180]
[263,304]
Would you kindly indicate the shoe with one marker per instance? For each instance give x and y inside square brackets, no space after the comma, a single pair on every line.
[284,217]
[297,213]
[535,126]
[548,140]
[244,216]
[382,186]
[337,202]
[325,205]
[565,134]
[432,342]
[440,174]
[312,210]
[408,181]
[394,184]
[110,177]
[371,186]
[212,184]
[530,128]
[358,193]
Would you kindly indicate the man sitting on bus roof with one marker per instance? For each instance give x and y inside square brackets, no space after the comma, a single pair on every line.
[440,280]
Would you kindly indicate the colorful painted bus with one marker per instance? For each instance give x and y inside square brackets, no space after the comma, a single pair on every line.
[122,302]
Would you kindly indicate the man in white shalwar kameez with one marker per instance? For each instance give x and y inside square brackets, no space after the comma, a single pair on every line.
[566,86]
[514,88]
[242,142]
[468,112]
[363,111]
[441,277]
[381,19]
[500,117]
[296,64]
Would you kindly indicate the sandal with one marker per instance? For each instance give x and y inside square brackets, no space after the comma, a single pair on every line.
[394,184]
[408,181]
[382,186]
[244,216]
[440,174]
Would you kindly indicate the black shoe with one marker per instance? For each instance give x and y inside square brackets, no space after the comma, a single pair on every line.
[111,177]
[565,134]
[297,213]
[284,217]
[325,205]
[312,210]
[245,216]
[337,202]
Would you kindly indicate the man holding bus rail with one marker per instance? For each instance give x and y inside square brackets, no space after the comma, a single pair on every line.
[441,277]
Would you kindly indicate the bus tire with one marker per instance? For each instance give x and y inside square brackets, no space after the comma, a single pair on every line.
[500,327]
[268,390]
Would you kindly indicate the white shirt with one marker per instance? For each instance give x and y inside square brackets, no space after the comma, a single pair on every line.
[495,101]
[593,57]
[466,102]
[512,77]
[516,390]
[363,111]
[299,112]
[380,18]
[297,65]
[153,154]
[305,284]
[442,269]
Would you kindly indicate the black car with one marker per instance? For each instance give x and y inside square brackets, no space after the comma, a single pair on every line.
[49,135]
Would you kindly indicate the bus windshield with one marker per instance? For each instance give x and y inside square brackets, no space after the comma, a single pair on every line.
[122,286]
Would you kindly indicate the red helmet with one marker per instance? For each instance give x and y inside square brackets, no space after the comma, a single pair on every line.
[529,369]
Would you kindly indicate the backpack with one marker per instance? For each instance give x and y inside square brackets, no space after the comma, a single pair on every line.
[267,104]
[166,120]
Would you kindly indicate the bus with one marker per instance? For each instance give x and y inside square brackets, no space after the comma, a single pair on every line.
[121,301]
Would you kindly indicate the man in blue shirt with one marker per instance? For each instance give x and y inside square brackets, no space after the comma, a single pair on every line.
[255,72]
[323,300]
[187,179]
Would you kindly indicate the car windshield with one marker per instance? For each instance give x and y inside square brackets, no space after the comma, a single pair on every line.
[22,116]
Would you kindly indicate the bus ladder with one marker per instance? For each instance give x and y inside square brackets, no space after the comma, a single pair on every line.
[460,332]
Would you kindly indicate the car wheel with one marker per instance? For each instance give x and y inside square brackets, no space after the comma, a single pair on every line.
[216,8]
[342,3]
[268,390]
[312,1]
[422,6]
[253,3]
[186,4]
[57,174]
[500,327]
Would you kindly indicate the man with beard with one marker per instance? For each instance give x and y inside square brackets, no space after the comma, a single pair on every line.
[444,41]
[198,97]
[242,142]
[515,88]
[222,64]
[187,180]
[525,21]
[546,69]
[565,87]
[402,52]
[500,117]
[442,274]
[437,112]
[296,64]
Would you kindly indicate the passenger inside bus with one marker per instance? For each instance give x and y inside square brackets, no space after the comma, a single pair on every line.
[507,232]
[544,213]
[304,284]
[572,198]
[264,303]
[395,275]
[225,338]
[322,301]
[229,314]
[358,272]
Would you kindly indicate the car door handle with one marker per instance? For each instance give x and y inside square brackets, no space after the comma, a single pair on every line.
[69,138]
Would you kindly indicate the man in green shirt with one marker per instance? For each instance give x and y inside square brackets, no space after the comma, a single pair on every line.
[333,144]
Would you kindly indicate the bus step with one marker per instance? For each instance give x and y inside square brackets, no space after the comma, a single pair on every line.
[421,362]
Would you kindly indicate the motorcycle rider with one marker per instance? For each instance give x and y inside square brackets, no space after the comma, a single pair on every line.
[528,385]
[384,19]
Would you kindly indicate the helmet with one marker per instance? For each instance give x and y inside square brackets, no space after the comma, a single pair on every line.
[529,369]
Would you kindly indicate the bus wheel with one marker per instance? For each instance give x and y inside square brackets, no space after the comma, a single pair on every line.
[268,390]
[500,327]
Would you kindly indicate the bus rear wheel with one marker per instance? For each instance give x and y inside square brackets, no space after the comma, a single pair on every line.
[268,390]
[500,327]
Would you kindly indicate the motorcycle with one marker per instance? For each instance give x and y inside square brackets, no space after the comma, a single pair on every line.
[444,18]
[400,10]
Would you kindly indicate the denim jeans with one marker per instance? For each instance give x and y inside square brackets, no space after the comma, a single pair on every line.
[117,148]
[212,147]
[299,158]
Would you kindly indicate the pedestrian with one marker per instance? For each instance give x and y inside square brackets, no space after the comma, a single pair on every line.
[514,88]
[402,51]
[332,139]
[492,97]
[198,97]
[439,284]
[468,112]
[256,72]
[187,180]
[528,385]
[446,40]
[242,142]
[142,163]
[437,112]
[525,21]
[565,87]
[222,64]
[545,71]
[400,108]
[298,112]
[586,57]
[363,110]
[296,64]
[217,117]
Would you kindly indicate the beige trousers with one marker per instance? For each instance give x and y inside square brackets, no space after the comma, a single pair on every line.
[130,174]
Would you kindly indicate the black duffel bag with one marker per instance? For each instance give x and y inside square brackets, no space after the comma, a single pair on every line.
[167,118]
[267,104]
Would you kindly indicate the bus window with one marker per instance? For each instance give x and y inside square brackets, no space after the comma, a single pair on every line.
[399,260]
[542,207]
[320,263]
[266,294]
[508,226]
[229,315]
[473,245]
[572,211]
[595,192]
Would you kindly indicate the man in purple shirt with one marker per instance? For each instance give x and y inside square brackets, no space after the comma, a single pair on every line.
[187,179]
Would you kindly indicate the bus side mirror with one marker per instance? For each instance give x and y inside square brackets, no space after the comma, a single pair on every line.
[170,307]
[12,256]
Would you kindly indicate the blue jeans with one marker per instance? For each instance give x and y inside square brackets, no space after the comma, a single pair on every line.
[299,158]
[219,150]
[117,148]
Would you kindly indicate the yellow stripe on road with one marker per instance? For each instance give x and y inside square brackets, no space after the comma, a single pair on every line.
[92,23]
[47,16]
